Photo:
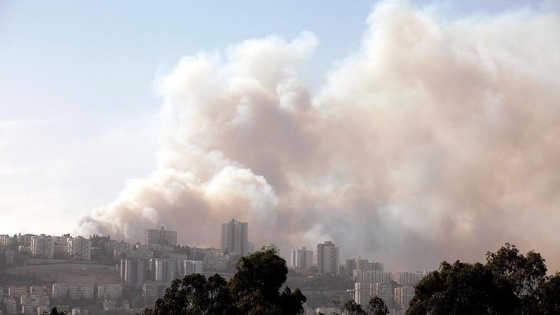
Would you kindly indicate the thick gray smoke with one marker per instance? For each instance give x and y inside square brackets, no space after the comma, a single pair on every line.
[438,139]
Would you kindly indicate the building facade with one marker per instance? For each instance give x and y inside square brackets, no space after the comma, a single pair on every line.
[301,258]
[164,270]
[328,257]
[193,266]
[80,248]
[110,291]
[160,237]
[234,238]
[42,246]
[132,271]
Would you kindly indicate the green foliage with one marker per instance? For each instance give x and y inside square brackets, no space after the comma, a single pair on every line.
[376,306]
[254,289]
[54,311]
[353,308]
[509,283]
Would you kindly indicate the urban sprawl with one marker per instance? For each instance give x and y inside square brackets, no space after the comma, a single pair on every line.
[99,275]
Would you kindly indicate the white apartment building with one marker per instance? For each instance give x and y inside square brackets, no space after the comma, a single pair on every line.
[371,276]
[73,291]
[193,266]
[42,246]
[132,271]
[407,278]
[403,295]
[79,248]
[164,270]
[160,237]
[61,246]
[30,303]
[364,291]
[301,258]
[328,258]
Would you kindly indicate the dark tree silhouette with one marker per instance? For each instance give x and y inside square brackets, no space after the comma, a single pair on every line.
[55,311]
[509,283]
[376,306]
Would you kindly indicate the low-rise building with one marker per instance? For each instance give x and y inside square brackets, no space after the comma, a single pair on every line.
[193,266]
[73,291]
[31,303]
[17,291]
[10,305]
[109,291]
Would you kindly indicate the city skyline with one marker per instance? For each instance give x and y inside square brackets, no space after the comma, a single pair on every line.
[409,131]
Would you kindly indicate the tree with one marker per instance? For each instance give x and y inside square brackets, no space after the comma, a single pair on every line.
[460,288]
[551,295]
[254,289]
[353,308]
[523,275]
[194,294]
[54,311]
[509,283]
[376,306]
[256,284]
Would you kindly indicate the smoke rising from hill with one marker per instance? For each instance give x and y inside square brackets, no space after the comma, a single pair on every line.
[438,139]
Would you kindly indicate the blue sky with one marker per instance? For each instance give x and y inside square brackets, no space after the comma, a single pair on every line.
[78,106]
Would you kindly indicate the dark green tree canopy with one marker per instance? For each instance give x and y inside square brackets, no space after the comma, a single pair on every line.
[376,306]
[55,311]
[254,289]
[509,283]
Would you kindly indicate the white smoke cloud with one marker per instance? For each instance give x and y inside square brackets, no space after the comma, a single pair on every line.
[438,139]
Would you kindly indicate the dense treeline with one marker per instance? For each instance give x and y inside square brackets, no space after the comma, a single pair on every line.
[509,283]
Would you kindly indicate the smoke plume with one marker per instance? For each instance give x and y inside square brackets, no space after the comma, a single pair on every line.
[437,139]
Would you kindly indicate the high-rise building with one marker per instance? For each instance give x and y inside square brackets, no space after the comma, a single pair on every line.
[160,237]
[403,295]
[234,238]
[301,258]
[328,256]
[407,278]
[42,246]
[164,270]
[79,248]
[132,271]
[61,250]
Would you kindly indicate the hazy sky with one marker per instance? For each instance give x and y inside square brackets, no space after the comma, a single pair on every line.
[82,104]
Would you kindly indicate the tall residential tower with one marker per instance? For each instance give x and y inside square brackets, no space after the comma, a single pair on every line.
[328,257]
[234,238]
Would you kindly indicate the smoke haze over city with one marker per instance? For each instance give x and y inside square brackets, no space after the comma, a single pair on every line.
[439,138]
